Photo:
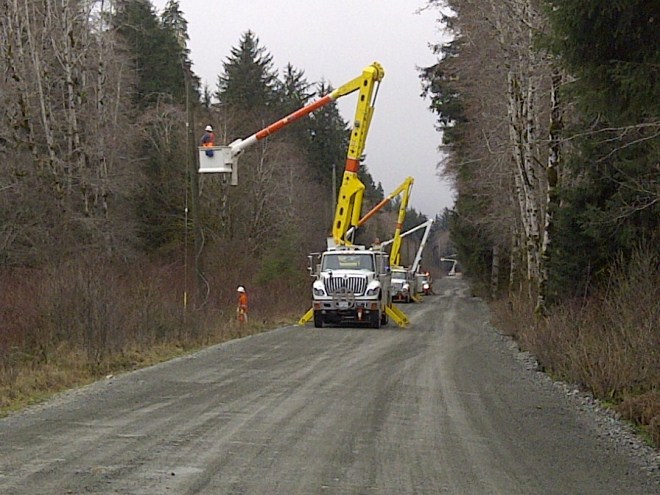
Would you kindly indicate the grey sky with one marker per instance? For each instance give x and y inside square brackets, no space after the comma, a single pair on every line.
[334,40]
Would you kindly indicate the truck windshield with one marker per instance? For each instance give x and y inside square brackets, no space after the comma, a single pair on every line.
[353,261]
[398,275]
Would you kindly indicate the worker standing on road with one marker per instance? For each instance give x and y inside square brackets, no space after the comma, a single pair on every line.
[208,140]
[242,308]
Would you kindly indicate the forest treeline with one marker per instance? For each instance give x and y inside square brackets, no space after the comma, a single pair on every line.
[112,247]
[550,112]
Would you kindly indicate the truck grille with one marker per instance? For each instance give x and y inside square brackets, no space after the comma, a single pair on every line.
[355,285]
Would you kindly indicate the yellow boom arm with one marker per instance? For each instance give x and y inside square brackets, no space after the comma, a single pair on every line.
[395,254]
[349,202]
[405,188]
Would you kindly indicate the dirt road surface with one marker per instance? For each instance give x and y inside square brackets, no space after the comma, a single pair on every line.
[441,407]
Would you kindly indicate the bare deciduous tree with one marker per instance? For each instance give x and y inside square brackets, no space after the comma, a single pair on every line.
[67,97]
[509,144]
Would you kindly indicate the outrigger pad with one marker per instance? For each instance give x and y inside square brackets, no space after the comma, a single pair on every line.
[397,315]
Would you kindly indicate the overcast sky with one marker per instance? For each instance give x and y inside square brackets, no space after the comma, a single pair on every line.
[335,40]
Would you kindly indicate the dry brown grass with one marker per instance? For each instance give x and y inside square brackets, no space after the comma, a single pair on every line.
[644,409]
[609,343]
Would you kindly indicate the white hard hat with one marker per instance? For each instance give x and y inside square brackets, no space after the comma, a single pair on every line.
[209,128]
[241,288]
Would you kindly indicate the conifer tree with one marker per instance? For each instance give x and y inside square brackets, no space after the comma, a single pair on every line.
[612,203]
[443,84]
[612,50]
[293,93]
[248,85]
[155,50]
[328,140]
[158,49]
[172,19]
[294,90]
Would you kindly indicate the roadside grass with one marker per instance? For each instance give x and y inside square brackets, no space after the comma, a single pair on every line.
[608,343]
[25,383]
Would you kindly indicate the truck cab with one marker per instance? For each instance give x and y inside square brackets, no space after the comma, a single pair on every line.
[352,286]
[402,285]
[423,284]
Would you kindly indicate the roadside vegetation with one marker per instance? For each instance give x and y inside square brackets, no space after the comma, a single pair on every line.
[75,324]
[550,114]
[607,343]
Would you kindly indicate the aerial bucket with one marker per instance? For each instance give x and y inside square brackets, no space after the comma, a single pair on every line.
[218,159]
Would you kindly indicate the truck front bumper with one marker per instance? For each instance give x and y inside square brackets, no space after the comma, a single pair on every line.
[357,310]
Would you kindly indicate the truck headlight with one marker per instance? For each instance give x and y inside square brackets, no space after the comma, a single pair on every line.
[373,292]
[318,291]
[406,287]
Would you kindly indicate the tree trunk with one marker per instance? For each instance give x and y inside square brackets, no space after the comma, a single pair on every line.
[516,38]
[513,263]
[41,78]
[495,272]
[552,196]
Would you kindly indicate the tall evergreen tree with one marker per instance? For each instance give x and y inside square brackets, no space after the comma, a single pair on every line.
[328,140]
[175,23]
[161,57]
[612,50]
[612,202]
[444,85]
[294,90]
[155,49]
[172,19]
[439,86]
[249,84]
[293,93]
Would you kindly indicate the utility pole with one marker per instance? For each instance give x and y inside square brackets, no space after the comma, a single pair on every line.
[191,162]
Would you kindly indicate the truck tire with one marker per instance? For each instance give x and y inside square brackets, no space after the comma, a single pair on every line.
[376,320]
[383,318]
[318,319]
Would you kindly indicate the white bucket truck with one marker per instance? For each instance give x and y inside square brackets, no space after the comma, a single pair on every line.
[352,286]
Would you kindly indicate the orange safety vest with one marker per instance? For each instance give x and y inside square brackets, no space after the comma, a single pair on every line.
[208,140]
[242,301]
[242,307]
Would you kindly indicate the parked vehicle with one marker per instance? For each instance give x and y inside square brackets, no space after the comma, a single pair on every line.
[423,284]
[352,285]
[402,285]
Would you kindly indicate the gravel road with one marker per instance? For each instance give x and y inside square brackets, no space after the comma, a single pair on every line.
[445,406]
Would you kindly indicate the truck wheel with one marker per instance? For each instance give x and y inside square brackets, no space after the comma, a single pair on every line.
[383,318]
[375,320]
[318,319]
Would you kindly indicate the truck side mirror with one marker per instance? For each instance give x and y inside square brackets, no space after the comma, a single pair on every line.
[313,266]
